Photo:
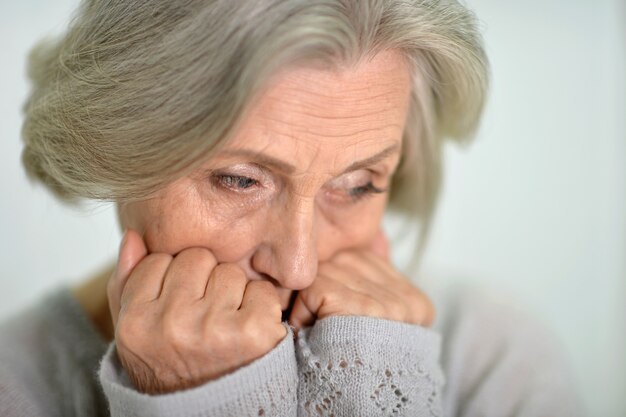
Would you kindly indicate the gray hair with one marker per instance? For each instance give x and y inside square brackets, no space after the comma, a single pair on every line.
[138,93]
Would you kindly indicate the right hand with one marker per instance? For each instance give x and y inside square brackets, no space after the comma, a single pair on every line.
[183,320]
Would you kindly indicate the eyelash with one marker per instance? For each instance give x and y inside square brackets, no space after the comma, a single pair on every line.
[243,183]
[236,181]
[358,193]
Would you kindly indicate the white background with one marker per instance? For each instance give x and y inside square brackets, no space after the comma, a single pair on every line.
[535,208]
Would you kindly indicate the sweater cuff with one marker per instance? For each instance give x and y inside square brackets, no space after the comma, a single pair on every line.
[371,334]
[266,386]
[371,366]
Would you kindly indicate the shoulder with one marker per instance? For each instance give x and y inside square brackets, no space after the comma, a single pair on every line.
[26,338]
[20,349]
[47,351]
[25,342]
[499,359]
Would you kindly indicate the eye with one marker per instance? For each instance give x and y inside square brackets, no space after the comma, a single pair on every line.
[358,193]
[235,182]
[352,187]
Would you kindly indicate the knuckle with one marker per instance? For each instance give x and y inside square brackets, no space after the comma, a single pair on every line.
[281,332]
[174,332]
[396,311]
[337,298]
[251,331]
[424,309]
[261,336]
[221,338]
[431,312]
[168,329]
[160,257]
[197,254]
[415,298]
[155,259]
[372,306]
[272,307]
[228,271]
[263,287]
[129,333]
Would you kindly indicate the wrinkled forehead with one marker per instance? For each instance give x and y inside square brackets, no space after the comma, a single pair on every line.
[332,116]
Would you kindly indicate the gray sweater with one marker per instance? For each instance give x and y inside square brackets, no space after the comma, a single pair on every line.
[480,359]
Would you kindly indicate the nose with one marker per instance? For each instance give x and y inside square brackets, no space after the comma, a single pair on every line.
[288,252]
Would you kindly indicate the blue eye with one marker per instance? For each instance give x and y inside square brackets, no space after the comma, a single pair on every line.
[236,181]
[365,190]
[242,183]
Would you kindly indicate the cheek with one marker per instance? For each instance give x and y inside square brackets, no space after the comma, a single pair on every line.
[188,221]
[233,229]
[351,229]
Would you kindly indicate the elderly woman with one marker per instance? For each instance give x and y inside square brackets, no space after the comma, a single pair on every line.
[252,148]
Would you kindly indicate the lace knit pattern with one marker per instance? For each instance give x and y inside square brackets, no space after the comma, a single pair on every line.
[353,366]
[54,363]
[342,366]
[265,387]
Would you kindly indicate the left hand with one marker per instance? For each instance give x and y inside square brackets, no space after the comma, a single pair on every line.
[362,283]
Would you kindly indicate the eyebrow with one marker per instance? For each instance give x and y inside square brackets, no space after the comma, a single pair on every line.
[287,168]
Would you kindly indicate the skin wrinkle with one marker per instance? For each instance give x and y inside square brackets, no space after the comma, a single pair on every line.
[306,77]
[323,135]
[308,119]
[306,113]
[280,228]
[286,126]
[344,107]
[201,182]
[291,170]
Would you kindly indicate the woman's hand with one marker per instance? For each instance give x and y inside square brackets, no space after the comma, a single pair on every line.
[183,320]
[362,283]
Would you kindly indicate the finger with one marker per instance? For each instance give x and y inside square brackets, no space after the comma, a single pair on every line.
[360,264]
[187,276]
[132,250]
[351,275]
[428,311]
[429,318]
[261,297]
[321,299]
[301,316]
[376,268]
[362,280]
[146,280]
[380,245]
[225,288]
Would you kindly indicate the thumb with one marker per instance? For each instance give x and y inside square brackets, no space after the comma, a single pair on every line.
[380,245]
[132,250]
[301,315]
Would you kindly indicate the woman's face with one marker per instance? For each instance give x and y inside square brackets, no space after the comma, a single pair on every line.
[301,180]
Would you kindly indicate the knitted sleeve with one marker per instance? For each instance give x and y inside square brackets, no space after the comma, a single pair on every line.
[501,361]
[16,400]
[363,366]
[265,387]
